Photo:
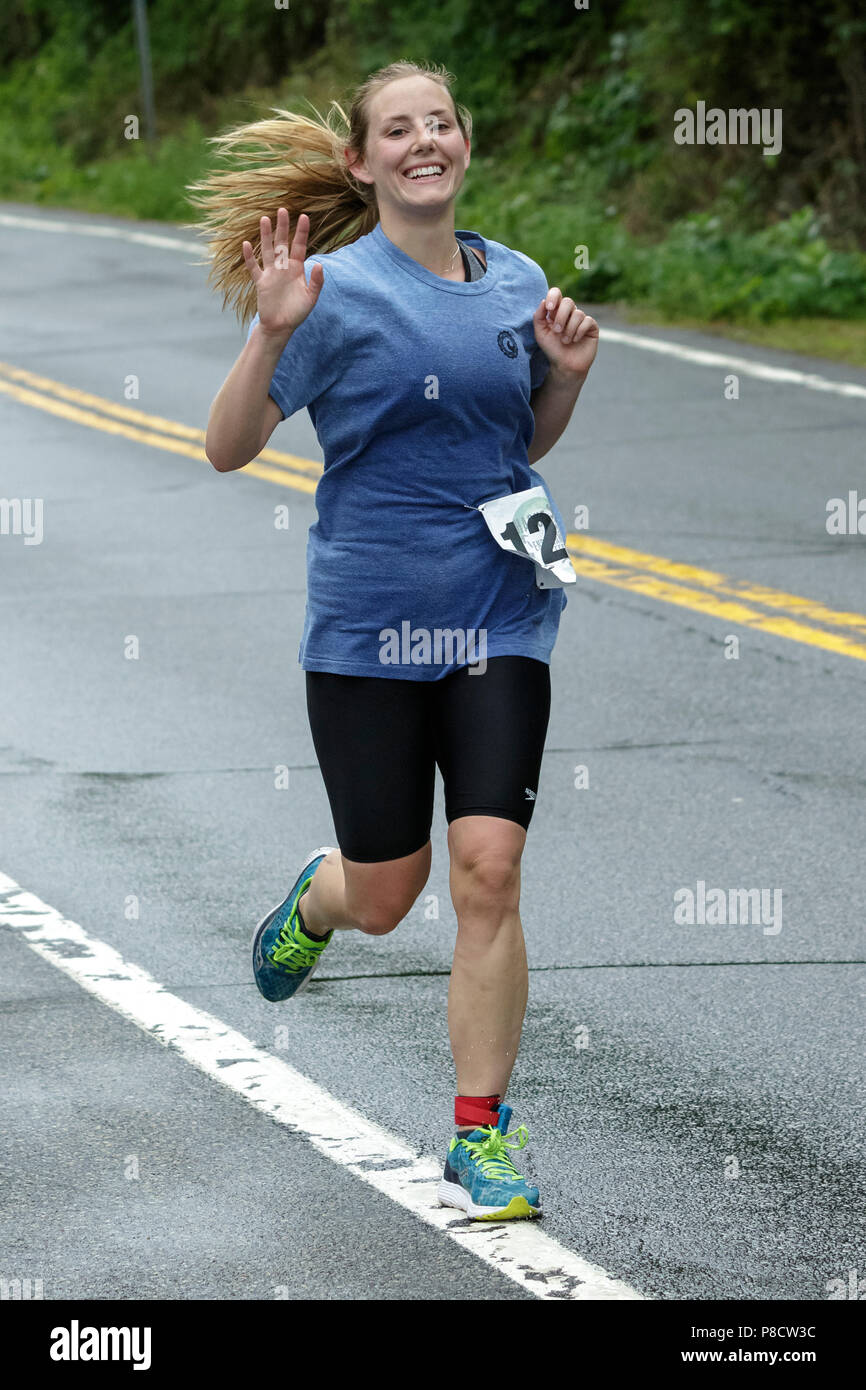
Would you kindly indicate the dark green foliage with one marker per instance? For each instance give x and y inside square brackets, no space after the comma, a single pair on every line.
[573,116]
[702,270]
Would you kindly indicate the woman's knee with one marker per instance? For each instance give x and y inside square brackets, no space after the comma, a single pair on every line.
[491,880]
[378,896]
[485,861]
[378,921]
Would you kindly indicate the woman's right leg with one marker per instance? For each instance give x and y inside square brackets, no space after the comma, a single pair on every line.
[373,898]
[372,739]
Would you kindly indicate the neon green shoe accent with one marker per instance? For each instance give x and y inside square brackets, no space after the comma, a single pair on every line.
[293,947]
[491,1153]
[517,1208]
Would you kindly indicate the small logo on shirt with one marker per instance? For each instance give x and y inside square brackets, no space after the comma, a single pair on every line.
[530,794]
[507,342]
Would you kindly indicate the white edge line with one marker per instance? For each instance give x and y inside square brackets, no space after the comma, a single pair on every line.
[518,1250]
[699,356]
[40,224]
[745,365]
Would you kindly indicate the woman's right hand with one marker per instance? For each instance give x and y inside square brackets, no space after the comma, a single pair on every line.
[284,297]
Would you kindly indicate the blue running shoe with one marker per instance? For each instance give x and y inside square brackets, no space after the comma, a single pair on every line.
[284,957]
[480,1177]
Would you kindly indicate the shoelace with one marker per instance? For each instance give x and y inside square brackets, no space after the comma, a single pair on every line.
[491,1153]
[287,951]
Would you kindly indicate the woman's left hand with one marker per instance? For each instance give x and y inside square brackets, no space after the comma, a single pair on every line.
[566,335]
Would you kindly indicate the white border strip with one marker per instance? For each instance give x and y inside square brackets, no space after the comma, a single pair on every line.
[744,365]
[517,1249]
[45,224]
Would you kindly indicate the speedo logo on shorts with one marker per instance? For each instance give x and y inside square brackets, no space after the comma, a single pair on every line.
[76,1343]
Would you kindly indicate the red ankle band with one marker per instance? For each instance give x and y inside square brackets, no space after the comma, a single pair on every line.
[476,1110]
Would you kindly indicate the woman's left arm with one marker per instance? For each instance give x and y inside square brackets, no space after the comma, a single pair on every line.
[569,340]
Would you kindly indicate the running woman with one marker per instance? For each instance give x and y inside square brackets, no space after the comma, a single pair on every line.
[437,367]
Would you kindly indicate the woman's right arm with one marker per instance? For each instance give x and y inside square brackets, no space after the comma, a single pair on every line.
[243,416]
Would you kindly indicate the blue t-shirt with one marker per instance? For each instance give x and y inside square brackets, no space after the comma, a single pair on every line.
[418,389]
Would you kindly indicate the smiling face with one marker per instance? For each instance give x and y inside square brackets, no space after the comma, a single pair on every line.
[412,125]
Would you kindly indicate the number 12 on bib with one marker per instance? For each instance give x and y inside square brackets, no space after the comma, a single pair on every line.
[524,524]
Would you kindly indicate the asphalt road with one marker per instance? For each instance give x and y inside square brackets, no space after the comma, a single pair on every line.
[653,1053]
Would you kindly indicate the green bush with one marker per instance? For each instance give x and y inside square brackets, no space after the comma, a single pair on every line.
[572,141]
[705,270]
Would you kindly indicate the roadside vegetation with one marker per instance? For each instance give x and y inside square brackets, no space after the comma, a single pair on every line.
[573,142]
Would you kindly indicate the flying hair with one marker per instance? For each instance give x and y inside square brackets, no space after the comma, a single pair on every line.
[297,162]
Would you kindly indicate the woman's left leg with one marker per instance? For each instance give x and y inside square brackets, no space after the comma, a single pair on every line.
[491,729]
[489,977]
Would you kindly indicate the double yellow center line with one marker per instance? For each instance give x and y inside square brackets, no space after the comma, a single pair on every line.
[735,601]
[101,414]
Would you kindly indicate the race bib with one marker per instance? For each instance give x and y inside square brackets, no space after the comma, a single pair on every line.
[524,523]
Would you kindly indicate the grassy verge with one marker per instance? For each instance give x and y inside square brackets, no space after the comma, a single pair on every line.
[748,287]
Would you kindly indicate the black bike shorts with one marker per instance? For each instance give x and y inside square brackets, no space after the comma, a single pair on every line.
[379,740]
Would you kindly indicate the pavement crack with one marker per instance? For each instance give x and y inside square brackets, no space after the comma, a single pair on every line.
[596,965]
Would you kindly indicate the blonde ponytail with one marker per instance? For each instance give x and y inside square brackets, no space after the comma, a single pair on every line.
[295,162]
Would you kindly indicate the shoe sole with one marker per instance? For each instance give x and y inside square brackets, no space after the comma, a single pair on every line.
[452,1194]
[314,854]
